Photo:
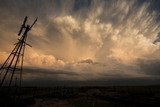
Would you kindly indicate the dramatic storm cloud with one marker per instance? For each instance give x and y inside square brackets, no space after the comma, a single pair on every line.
[85,39]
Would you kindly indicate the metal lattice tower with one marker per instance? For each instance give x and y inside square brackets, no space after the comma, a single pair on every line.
[13,66]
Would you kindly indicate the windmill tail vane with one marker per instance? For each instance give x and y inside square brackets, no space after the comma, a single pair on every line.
[13,66]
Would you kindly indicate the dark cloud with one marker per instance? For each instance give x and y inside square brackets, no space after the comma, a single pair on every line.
[89,61]
[155,7]
[51,72]
[110,82]
[150,67]
[79,4]
[157,39]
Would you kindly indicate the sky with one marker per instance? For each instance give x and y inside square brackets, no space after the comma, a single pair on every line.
[91,42]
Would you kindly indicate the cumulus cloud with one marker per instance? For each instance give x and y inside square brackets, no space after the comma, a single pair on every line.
[3,56]
[96,39]
[35,59]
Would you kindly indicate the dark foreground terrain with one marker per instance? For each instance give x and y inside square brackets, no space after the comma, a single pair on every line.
[111,96]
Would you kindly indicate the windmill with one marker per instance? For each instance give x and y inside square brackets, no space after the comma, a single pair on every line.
[13,66]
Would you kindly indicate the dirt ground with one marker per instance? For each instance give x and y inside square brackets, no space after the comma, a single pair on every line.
[51,103]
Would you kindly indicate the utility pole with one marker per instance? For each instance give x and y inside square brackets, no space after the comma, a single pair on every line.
[13,66]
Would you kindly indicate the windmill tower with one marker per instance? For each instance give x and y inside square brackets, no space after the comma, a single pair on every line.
[12,68]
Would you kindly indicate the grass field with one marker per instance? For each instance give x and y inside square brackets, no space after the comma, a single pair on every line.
[111,96]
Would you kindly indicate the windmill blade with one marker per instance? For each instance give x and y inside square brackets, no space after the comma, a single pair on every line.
[24,22]
[34,23]
[23,26]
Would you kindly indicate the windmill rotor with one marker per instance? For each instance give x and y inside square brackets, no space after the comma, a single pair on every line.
[23,26]
[34,23]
